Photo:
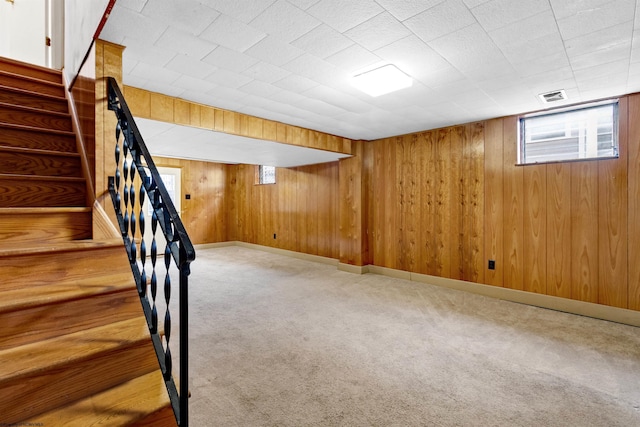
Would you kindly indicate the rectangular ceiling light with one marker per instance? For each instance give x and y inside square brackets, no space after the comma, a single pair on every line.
[381,80]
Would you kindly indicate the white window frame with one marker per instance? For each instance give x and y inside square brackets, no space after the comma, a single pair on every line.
[587,139]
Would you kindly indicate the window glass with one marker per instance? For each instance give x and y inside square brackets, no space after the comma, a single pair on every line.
[585,132]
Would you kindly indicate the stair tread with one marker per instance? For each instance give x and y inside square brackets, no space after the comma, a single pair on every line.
[34,110]
[23,150]
[40,177]
[57,74]
[30,92]
[32,358]
[52,210]
[121,405]
[37,129]
[18,299]
[77,245]
[33,79]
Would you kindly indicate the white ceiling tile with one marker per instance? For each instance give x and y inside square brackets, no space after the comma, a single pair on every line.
[180,42]
[137,50]
[266,72]
[134,81]
[413,56]
[230,59]
[192,67]
[338,99]
[619,52]
[499,13]
[244,10]
[164,88]
[440,20]
[531,28]
[532,49]
[466,46]
[136,5]
[443,76]
[261,89]
[477,72]
[343,15]
[602,70]
[303,4]
[222,77]
[161,75]
[598,40]
[232,33]
[295,83]
[272,50]
[319,107]
[542,65]
[379,31]
[404,9]
[314,68]
[473,3]
[133,25]
[565,8]
[597,18]
[285,21]
[322,41]
[353,58]
[191,84]
[186,15]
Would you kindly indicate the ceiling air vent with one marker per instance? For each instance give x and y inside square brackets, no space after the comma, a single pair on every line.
[553,96]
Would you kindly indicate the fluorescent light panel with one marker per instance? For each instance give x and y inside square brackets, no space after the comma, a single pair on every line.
[381,80]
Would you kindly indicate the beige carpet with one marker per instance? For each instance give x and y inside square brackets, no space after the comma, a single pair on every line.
[276,341]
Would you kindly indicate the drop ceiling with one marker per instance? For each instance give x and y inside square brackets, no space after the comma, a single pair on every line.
[292,60]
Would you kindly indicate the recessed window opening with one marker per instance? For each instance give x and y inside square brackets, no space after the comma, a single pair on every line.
[266,174]
[588,131]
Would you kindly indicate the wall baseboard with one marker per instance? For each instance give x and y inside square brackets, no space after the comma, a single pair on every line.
[581,308]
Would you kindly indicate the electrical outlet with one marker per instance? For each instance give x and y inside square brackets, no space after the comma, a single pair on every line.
[492,264]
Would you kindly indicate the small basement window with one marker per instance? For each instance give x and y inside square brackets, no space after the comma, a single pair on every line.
[266,175]
[588,131]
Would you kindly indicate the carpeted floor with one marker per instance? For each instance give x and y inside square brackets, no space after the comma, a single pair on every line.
[277,341]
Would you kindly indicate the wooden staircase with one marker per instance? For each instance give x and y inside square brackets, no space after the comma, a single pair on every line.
[74,345]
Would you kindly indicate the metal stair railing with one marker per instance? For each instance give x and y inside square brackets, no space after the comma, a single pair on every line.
[136,189]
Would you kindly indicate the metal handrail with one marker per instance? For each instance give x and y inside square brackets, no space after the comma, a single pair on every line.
[178,247]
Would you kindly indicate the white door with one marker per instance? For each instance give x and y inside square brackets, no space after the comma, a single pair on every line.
[171,179]
[23,25]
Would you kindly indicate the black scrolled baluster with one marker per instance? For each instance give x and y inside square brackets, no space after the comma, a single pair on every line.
[118,132]
[154,277]
[167,314]
[118,176]
[132,197]
[167,356]
[126,221]
[134,251]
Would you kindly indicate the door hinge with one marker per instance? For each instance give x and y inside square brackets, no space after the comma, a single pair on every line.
[47,41]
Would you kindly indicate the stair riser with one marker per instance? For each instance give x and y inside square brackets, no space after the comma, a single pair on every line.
[24,163]
[41,73]
[33,100]
[36,119]
[62,267]
[61,385]
[39,323]
[49,227]
[10,137]
[31,85]
[41,193]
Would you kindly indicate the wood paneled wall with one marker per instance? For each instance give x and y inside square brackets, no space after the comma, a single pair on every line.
[444,202]
[152,105]
[301,209]
[204,215]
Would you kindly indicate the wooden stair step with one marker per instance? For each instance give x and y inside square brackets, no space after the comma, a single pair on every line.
[15,96]
[37,138]
[44,225]
[48,374]
[39,313]
[27,161]
[32,84]
[27,116]
[142,401]
[30,70]
[41,191]
[64,263]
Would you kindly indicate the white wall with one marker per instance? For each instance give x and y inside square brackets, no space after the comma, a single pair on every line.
[82,18]
[22,31]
